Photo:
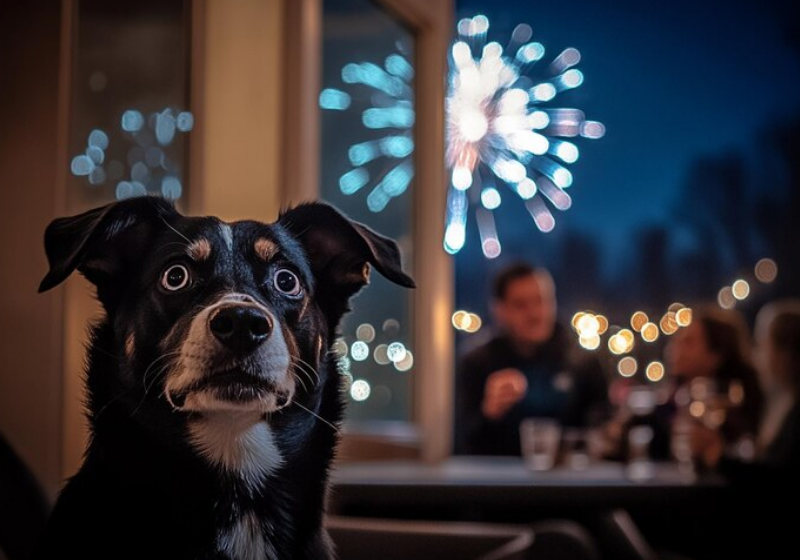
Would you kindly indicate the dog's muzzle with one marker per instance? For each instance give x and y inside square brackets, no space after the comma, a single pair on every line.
[241,329]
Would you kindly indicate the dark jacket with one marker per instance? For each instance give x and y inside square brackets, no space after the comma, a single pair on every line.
[564,383]
[780,464]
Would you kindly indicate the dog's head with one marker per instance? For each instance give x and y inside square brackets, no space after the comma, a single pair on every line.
[210,316]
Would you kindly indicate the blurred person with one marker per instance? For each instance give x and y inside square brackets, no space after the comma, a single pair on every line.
[529,368]
[758,486]
[709,361]
[778,440]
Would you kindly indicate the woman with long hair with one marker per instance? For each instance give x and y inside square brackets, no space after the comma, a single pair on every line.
[778,433]
[709,362]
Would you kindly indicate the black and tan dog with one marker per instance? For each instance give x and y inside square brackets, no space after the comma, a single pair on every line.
[213,395]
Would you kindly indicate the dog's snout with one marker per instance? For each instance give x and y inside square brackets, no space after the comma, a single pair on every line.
[240,328]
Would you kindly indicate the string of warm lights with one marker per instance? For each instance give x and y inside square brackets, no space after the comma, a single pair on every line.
[766,271]
[466,321]
[590,327]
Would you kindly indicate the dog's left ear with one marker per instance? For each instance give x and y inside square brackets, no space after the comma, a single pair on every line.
[341,251]
[92,242]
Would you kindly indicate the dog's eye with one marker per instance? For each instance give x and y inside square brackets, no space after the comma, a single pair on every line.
[175,278]
[287,283]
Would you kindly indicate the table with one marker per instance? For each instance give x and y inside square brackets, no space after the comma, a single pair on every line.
[670,510]
[505,482]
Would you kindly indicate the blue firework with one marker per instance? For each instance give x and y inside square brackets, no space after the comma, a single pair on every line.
[150,168]
[383,95]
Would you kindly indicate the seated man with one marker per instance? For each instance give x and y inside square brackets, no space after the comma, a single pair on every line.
[530,369]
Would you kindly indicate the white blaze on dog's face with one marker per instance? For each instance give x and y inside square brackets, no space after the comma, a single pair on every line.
[233,354]
[208,376]
[236,349]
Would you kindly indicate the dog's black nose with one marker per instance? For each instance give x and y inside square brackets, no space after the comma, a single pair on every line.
[240,328]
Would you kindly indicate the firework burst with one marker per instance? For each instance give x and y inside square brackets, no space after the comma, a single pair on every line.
[384,96]
[501,129]
[150,166]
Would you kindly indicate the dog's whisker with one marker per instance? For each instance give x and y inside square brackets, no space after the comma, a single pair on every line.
[109,354]
[108,404]
[308,376]
[312,368]
[155,377]
[166,223]
[158,373]
[154,362]
[306,368]
[317,416]
[300,380]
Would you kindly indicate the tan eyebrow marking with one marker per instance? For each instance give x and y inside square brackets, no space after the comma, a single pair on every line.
[199,250]
[265,249]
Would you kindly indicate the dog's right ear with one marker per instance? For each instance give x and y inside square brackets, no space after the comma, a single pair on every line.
[89,242]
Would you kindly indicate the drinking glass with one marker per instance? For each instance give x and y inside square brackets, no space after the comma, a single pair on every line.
[540,439]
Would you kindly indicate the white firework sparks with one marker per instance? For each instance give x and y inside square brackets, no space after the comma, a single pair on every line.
[501,130]
[384,96]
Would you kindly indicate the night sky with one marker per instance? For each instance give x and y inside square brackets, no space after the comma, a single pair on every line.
[673,82]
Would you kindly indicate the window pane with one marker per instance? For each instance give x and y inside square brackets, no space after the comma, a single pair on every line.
[130,101]
[367,168]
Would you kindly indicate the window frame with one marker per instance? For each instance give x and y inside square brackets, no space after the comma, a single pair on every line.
[431,24]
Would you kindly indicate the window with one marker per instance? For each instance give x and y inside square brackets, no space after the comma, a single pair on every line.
[130,101]
[367,170]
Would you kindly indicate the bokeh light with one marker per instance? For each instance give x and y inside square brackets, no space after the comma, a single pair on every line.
[627,366]
[381,354]
[602,322]
[649,332]
[575,319]
[740,289]
[360,390]
[725,298]
[697,409]
[668,323]
[736,393]
[406,363]
[655,371]
[588,325]
[766,270]
[365,333]
[638,320]
[396,352]
[466,321]
[391,326]
[460,319]
[339,348]
[590,342]
[684,317]
[359,351]
[621,343]
[674,307]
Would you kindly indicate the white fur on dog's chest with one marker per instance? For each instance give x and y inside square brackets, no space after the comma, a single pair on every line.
[246,540]
[242,444]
